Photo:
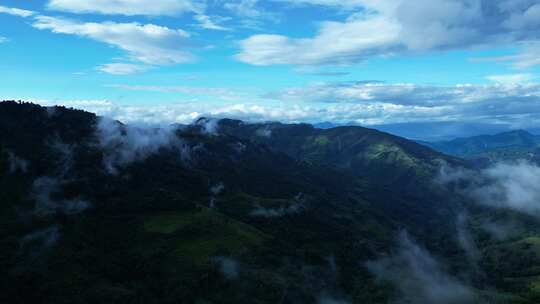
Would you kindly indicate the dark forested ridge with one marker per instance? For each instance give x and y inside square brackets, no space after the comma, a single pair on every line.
[96,211]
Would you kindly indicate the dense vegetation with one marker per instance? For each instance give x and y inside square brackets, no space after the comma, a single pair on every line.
[227,212]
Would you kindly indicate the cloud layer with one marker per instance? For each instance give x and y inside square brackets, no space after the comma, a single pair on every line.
[509,105]
[380,103]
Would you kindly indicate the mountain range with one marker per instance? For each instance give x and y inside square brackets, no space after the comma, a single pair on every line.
[223,211]
[506,146]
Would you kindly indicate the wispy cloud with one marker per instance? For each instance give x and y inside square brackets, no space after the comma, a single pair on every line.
[526,57]
[121,68]
[16,12]
[419,277]
[127,7]
[176,89]
[211,22]
[146,43]
[511,78]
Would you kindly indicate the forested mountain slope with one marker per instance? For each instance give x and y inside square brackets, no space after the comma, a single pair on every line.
[93,210]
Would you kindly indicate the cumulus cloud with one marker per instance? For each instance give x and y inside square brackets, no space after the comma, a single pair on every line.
[126,7]
[146,43]
[513,186]
[124,144]
[419,277]
[388,27]
[336,43]
[16,12]
[121,68]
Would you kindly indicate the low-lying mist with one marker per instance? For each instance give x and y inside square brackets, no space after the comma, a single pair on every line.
[514,186]
[419,277]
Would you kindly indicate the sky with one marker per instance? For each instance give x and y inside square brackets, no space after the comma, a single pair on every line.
[367,62]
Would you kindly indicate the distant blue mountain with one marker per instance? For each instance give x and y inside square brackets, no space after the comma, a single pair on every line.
[518,144]
[433,131]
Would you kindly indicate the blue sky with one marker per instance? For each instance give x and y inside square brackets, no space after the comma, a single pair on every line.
[363,61]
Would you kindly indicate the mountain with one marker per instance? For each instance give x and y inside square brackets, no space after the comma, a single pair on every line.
[512,145]
[221,211]
[368,153]
[432,131]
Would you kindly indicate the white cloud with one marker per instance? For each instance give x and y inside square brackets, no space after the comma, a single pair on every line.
[388,27]
[526,57]
[148,43]
[336,43]
[3,39]
[246,8]
[408,93]
[211,23]
[511,78]
[121,68]
[16,12]
[504,185]
[126,144]
[515,186]
[517,105]
[126,7]
[252,14]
